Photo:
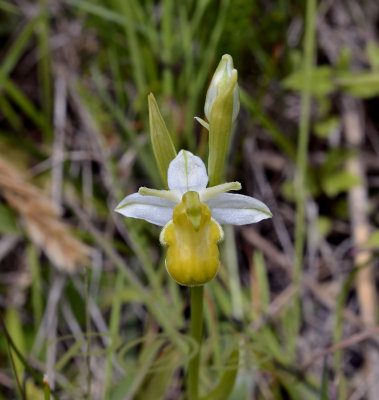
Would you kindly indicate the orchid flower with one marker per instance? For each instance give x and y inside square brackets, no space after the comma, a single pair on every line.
[191,215]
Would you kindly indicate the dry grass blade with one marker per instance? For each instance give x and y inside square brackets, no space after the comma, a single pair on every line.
[42,221]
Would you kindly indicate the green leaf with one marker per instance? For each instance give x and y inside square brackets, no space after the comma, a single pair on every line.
[372,242]
[344,59]
[325,128]
[8,221]
[321,81]
[324,225]
[156,384]
[17,49]
[288,190]
[262,280]
[225,386]
[297,389]
[26,105]
[335,159]
[10,8]
[324,383]
[291,321]
[361,84]
[372,50]
[339,182]
[14,325]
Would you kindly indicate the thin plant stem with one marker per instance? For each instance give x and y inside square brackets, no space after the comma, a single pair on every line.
[196,331]
[309,45]
[88,331]
[46,389]
[301,162]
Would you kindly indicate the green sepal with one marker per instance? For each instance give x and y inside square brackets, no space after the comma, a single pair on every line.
[163,147]
[220,126]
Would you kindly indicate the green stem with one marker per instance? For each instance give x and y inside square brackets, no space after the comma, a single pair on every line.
[46,390]
[197,295]
[88,330]
[301,163]
[309,46]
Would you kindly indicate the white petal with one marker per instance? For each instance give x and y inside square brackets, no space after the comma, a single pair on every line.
[187,172]
[152,209]
[236,209]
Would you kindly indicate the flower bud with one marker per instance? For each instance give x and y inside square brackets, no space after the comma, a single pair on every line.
[223,77]
[221,108]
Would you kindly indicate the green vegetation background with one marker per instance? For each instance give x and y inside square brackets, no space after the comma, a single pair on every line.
[74,80]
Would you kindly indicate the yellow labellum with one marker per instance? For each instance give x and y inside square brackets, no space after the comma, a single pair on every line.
[192,257]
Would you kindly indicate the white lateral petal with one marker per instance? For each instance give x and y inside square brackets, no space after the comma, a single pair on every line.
[237,209]
[152,209]
[187,172]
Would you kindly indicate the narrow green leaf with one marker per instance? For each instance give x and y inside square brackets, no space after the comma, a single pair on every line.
[359,84]
[44,65]
[262,280]
[8,7]
[372,50]
[325,128]
[37,293]
[338,326]
[8,221]
[26,105]
[321,82]
[157,384]
[14,326]
[339,182]
[324,383]
[225,386]
[9,113]
[114,325]
[16,50]
[230,258]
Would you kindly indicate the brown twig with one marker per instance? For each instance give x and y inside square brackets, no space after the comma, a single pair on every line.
[350,341]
